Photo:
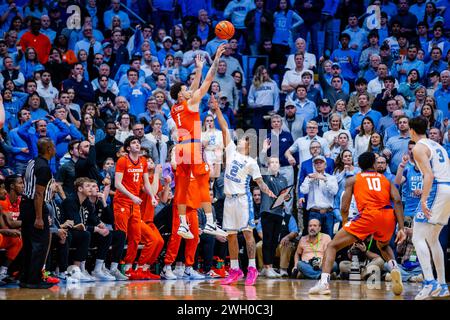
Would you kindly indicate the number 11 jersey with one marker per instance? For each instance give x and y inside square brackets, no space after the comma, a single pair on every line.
[133,173]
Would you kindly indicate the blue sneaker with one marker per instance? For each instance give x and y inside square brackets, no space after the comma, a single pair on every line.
[193,275]
[443,292]
[429,289]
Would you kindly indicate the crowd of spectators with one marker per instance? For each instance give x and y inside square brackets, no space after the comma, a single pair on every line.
[317,79]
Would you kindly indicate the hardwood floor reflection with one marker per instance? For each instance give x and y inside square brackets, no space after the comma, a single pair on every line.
[267,289]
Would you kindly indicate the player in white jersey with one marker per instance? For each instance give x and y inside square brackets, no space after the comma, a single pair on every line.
[238,207]
[433,210]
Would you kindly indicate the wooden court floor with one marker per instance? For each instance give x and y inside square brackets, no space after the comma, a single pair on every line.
[265,289]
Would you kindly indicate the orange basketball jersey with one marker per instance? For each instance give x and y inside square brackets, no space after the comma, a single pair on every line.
[133,174]
[188,122]
[371,191]
[147,208]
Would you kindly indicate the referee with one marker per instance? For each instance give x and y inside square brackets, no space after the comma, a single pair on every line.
[35,215]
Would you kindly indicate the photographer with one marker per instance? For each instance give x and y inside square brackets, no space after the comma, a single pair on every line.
[368,256]
[311,250]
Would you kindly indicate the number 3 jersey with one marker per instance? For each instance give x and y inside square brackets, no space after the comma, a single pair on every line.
[133,173]
[372,191]
[440,163]
[238,171]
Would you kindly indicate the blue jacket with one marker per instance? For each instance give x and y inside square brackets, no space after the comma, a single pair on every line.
[57,131]
[61,148]
[17,143]
[283,143]
[306,168]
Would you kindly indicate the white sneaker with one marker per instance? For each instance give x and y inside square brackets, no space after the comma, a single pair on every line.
[320,288]
[283,273]
[272,274]
[179,272]
[119,276]
[262,273]
[87,276]
[388,277]
[193,275]
[102,276]
[214,230]
[168,274]
[443,292]
[429,289]
[212,274]
[397,284]
[106,270]
[184,232]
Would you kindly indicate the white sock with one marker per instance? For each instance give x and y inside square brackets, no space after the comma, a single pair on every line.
[436,252]
[423,253]
[144,267]
[168,267]
[3,270]
[98,265]
[252,263]
[83,266]
[114,266]
[209,218]
[127,267]
[392,264]
[188,270]
[234,264]
[183,220]
[325,277]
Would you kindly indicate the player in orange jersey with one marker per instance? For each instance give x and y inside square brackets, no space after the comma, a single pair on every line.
[131,175]
[189,157]
[376,217]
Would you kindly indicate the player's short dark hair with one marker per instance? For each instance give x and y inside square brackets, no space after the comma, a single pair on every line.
[175,90]
[419,124]
[10,180]
[43,144]
[128,141]
[366,160]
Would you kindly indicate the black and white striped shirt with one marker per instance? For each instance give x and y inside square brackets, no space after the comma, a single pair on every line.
[38,173]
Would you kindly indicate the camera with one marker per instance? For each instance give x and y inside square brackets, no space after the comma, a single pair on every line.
[315,263]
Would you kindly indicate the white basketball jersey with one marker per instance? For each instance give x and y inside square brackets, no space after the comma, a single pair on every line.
[238,171]
[440,163]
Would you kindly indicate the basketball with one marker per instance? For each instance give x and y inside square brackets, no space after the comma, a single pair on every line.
[224,30]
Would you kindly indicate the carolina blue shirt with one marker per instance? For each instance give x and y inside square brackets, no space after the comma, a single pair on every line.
[439,67]
[391,131]
[18,143]
[398,146]
[357,119]
[307,111]
[413,181]
[38,114]
[349,69]
[124,19]
[330,7]
[418,10]
[163,53]
[446,14]
[442,97]
[408,66]
[136,96]
[357,36]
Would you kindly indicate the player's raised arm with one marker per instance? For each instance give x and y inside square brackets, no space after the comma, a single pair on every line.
[422,156]
[2,113]
[347,198]
[398,210]
[197,95]
[119,186]
[199,62]
[222,122]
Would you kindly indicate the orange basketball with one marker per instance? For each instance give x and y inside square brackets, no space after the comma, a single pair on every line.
[224,30]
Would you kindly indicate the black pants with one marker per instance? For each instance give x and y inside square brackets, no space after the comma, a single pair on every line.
[271,228]
[117,243]
[79,240]
[35,242]
[206,247]
[101,243]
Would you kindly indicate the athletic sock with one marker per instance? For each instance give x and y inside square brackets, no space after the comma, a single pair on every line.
[98,265]
[252,263]
[234,264]
[83,266]
[167,267]
[183,220]
[209,218]
[114,266]
[325,277]
[144,267]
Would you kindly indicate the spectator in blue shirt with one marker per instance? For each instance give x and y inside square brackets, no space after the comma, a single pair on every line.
[135,93]
[397,146]
[442,94]
[358,36]
[411,62]
[19,152]
[115,11]
[347,58]
[365,110]
[167,48]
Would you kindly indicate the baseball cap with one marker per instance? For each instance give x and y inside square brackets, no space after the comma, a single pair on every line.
[335,64]
[106,44]
[325,102]
[178,54]
[167,38]
[319,157]
[433,73]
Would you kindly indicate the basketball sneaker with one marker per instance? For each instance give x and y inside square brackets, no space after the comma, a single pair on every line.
[272,274]
[284,273]
[429,289]
[168,274]
[212,274]
[214,230]
[132,274]
[252,275]
[87,276]
[119,275]
[322,288]
[443,293]
[397,285]
[192,274]
[234,275]
[151,276]
[48,278]
[184,232]
[102,276]
[179,272]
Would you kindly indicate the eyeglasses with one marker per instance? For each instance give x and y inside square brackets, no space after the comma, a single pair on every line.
[312,127]
[138,129]
[290,107]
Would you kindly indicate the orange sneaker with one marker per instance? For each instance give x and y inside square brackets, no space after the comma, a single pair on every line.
[151,276]
[132,274]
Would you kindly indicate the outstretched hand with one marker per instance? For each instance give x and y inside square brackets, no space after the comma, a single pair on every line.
[220,50]
[199,61]
[214,103]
